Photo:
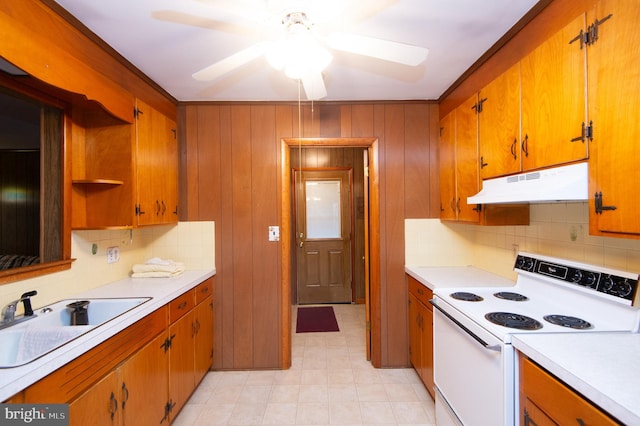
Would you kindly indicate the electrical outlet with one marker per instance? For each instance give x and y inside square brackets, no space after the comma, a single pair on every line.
[113,254]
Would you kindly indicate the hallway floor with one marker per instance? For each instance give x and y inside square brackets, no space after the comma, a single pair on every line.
[330,382]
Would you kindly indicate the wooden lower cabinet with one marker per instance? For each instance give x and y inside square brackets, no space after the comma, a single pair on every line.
[142,375]
[421,332]
[191,349]
[133,394]
[545,400]
[99,405]
[203,343]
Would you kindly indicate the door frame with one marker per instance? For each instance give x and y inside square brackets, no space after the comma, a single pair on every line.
[372,296]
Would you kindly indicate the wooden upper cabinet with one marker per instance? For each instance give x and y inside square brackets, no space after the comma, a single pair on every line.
[466,154]
[614,107]
[499,125]
[447,167]
[554,100]
[157,167]
[459,177]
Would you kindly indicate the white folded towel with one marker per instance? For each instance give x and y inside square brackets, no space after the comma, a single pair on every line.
[157,268]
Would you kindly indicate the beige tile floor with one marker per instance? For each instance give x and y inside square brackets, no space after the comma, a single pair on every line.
[330,382]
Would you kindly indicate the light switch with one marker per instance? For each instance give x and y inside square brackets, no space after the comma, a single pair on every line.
[274,233]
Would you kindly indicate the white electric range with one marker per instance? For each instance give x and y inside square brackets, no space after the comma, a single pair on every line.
[474,362]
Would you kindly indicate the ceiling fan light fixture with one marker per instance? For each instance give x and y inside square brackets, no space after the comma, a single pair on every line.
[298,53]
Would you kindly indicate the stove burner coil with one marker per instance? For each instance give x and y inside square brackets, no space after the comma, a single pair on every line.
[567,321]
[507,295]
[467,297]
[511,320]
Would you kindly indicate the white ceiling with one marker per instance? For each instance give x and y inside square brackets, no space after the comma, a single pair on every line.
[169,40]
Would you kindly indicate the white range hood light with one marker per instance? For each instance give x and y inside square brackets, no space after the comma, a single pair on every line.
[564,183]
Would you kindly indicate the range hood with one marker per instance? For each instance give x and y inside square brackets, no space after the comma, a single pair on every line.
[564,183]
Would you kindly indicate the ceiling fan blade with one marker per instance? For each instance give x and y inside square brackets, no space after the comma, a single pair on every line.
[248,9]
[401,53]
[314,86]
[182,18]
[230,63]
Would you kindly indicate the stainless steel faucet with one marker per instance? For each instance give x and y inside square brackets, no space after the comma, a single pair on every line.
[9,311]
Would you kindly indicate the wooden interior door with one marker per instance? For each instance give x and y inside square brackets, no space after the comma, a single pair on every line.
[323,236]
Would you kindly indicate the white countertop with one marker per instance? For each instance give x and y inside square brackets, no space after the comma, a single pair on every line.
[456,276]
[161,290]
[603,367]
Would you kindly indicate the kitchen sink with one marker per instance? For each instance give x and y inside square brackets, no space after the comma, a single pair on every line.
[53,326]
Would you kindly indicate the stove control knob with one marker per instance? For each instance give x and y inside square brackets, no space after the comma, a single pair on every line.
[591,279]
[528,264]
[576,276]
[607,283]
[623,288]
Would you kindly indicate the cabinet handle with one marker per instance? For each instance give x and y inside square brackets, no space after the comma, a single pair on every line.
[587,133]
[164,207]
[157,207]
[182,305]
[598,204]
[482,163]
[525,145]
[125,394]
[113,402]
[175,211]
[513,148]
[458,205]
[580,421]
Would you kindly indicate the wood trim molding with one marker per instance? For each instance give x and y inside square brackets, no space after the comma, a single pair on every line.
[374,241]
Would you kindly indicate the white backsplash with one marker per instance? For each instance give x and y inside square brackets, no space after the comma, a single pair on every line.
[558,229]
[192,243]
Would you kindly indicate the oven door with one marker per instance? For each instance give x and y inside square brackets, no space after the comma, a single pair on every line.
[469,371]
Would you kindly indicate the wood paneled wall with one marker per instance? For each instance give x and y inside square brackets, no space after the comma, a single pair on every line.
[230,167]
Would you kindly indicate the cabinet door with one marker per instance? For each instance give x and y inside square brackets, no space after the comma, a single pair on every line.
[99,405]
[156,164]
[499,125]
[547,399]
[169,176]
[614,107]
[427,349]
[447,167]
[144,384]
[554,99]
[466,155]
[181,361]
[415,334]
[204,338]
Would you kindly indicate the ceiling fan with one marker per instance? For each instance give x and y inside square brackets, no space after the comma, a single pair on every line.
[300,48]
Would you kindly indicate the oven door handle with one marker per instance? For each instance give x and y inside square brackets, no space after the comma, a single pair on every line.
[496,348]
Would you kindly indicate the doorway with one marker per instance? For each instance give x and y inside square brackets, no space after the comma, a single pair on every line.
[372,240]
[323,230]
